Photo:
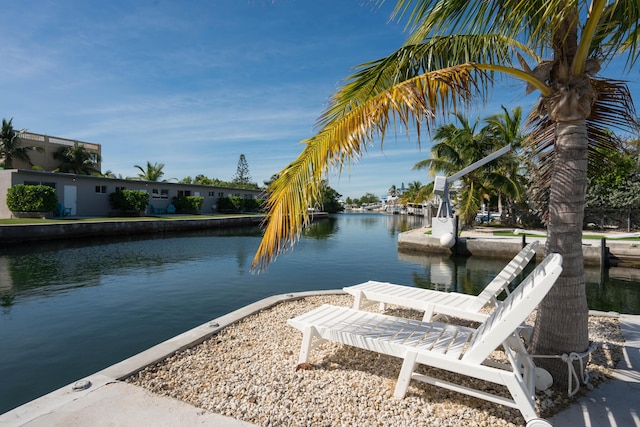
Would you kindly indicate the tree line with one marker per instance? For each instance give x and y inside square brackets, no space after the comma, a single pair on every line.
[508,184]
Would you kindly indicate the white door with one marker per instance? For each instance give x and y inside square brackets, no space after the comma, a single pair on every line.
[71,198]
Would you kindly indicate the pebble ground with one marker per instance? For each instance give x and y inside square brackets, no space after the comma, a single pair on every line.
[248,371]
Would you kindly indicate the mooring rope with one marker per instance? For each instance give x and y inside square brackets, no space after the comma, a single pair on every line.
[572,374]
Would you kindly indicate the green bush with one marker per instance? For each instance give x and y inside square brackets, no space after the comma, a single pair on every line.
[253,205]
[238,204]
[129,200]
[31,198]
[188,204]
[230,204]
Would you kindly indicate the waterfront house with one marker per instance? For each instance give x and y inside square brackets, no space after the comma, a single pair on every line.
[86,195]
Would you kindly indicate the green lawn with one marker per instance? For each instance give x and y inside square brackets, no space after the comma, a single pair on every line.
[584,236]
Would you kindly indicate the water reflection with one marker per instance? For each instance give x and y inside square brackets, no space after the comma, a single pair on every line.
[401,223]
[617,290]
[453,274]
[56,266]
[322,228]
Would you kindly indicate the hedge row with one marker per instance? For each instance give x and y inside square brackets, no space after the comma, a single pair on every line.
[31,198]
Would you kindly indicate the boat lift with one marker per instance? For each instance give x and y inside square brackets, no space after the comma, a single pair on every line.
[443,226]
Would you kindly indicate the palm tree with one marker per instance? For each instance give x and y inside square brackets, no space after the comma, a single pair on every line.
[411,192]
[10,147]
[508,175]
[78,160]
[153,172]
[453,52]
[456,148]
[111,174]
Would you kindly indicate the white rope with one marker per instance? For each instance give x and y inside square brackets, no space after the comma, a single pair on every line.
[572,374]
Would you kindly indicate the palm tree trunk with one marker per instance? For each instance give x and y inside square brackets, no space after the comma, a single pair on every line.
[562,321]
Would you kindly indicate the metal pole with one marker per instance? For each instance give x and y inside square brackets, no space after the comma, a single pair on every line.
[455,235]
[604,260]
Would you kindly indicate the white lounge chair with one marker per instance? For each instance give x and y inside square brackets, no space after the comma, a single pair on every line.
[437,302]
[457,349]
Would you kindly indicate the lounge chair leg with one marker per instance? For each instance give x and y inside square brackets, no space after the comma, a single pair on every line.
[522,397]
[308,344]
[358,301]
[404,378]
[428,313]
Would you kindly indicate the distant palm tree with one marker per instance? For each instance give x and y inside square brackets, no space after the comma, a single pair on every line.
[10,147]
[412,193]
[110,174]
[153,172]
[78,160]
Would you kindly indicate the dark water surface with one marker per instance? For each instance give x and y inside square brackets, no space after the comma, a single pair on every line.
[69,309]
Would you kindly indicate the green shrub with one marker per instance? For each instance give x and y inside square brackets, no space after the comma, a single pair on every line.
[31,198]
[129,200]
[230,204]
[188,204]
[238,204]
[253,205]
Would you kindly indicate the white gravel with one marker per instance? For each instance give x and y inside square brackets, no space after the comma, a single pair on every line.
[247,371]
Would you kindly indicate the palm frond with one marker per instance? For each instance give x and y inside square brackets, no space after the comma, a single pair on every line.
[617,32]
[524,20]
[411,60]
[414,102]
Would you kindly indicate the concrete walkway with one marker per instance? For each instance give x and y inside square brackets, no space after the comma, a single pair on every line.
[102,399]
[617,402]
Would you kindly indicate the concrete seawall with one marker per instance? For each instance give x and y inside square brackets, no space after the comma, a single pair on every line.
[619,254]
[69,230]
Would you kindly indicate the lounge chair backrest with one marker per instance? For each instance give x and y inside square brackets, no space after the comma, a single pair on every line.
[505,277]
[514,309]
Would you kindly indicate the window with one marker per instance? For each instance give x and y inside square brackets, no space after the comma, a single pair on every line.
[184,193]
[221,194]
[50,184]
[102,189]
[120,188]
[164,193]
[212,193]
[155,193]
[31,183]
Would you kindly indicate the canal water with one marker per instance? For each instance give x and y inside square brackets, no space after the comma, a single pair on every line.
[69,309]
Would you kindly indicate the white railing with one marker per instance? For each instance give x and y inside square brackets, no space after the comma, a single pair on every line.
[31,136]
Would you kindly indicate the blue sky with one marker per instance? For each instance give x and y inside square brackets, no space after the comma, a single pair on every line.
[194,84]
